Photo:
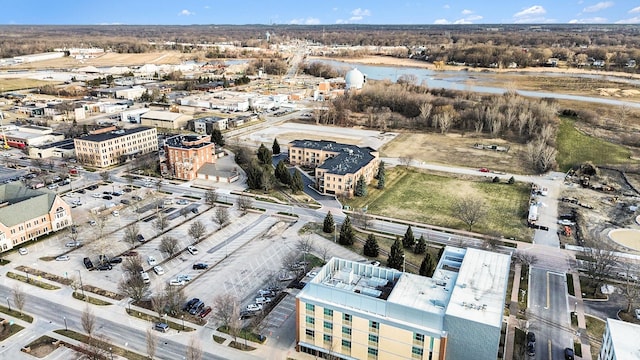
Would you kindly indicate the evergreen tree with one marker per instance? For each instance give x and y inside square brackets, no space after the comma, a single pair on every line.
[361,186]
[421,246]
[381,181]
[396,256]
[296,182]
[282,173]
[427,266]
[254,175]
[408,241]
[346,233]
[275,147]
[216,137]
[328,225]
[264,155]
[381,171]
[511,181]
[371,248]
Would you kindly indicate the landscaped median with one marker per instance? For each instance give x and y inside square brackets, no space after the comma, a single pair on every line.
[31,281]
[155,319]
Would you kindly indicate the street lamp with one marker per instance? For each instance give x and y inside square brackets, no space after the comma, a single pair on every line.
[27,272]
[182,317]
[335,232]
[65,323]
[8,304]
[81,286]
[575,307]
[403,262]
[111,352]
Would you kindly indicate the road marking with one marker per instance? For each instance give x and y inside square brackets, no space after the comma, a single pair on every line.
[548,293]
[549,349]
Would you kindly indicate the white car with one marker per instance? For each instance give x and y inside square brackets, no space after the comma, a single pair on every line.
[23,251]
[192,250]
[63,258]
[254,307]
[115,213]
[152,261]
[185,278]
[158,270]
[96,195]
[262,300]
[312,274]
[176,282]
[182,201]
[145,277]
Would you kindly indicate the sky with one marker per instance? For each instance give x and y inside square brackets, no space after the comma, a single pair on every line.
[318,12]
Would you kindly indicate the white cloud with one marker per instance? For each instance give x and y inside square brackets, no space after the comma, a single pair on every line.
[462,22]
[633,20]
[634,10]
[474,18]
[534,10]
[341,21]
[355,18]
[599,6]
[186,12]
[467,12]
[334,9]
[441,22]
[206,6]
[446,6]
[593,20]
[307,21]
[361,12]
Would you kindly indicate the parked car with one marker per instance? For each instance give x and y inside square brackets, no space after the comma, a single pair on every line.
[176,282]
[52,186]
[190,304]
[87,263]
[200,266]
[152,261]
[73,244]
[130,253]
[136,198]
[568,354]
[92,187]
[63,258]
[104,267]
[145,277]
[312,274]
[140,238]
[254,307]
[93,223]
[531,349]
[125,201]
[115,260]
[205,312]
[192,250]
[96,195]
[162,327]
[182,201]
[185,278]
[196,308]
[484,170]
[262,300]
[158,270]
[107,197]
[246,314]
[115,213]
[375,263]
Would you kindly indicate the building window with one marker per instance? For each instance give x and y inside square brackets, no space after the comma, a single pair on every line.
[310,333]
[374,326]
[346,345]
[310,320]
[416,352]
[418,339]
[346,332]
[310,307]
[373,339]
[346,318]
[372,353]
[328,325]
[328,313]
[327,338]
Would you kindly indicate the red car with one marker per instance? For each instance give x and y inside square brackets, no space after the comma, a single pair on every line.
[205,312]
[484,170]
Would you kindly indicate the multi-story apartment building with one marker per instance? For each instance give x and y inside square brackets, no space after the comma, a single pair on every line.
[186,154]
[111,147]
[26,214]
[337,166]
[620,341]
[354,310]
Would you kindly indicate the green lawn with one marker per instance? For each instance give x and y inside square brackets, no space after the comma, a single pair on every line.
[575,148]
[418,196]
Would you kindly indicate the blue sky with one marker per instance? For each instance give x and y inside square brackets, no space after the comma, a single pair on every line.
[317,12]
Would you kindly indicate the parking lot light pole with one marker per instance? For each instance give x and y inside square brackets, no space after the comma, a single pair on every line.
[335,232]
[403,262]
[182,317]
[27,272]
[65,323]
[8,304]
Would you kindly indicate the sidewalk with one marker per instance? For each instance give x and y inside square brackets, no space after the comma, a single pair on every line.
[512,320]
[582,324]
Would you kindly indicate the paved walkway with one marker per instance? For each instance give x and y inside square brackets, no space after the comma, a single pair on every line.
[582,324]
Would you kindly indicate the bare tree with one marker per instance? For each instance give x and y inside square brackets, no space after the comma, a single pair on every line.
[185,212]
[132,264]
[152,343]
[541,156]
[131,234]
[524,258]
[161,222]
[360,218]
[133,286]
[19,297]
[105,176]
[225,308]
[96,348]
[405,160]
[289,261]
[158,303]
[324,252]
[197,230]
[88,320]
[599,264]
[470,210]
[305,245]
[235,324]
[169,245]
[211,197]
[630,289]
[221,216]
[244,204]
[194,349]
[174,298]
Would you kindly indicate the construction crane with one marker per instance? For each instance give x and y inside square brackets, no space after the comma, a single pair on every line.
[5,145]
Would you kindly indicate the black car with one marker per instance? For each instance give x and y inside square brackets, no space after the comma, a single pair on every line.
[125,201]
[140,238]
[531,337]
[81,191]
[103,258]
[190,304]
[115,260]
[92,187]
[127,190]
[107,197]
[200,266]
[568,354]
[87,263]
[246,314]
[531,349]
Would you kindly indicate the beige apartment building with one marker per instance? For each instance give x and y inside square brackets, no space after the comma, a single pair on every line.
[353,310]
[110,146]
[186,154]
[26,214]
[337,166]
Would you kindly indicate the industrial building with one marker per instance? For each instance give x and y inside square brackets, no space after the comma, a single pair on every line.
[26,214]
[29,135]
[111,146]
[620,341]
[186,154]
[165,119]
[337,166]
[354,310]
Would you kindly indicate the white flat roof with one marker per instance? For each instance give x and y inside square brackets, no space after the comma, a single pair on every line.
[479,291]
[624,337]
[420,292]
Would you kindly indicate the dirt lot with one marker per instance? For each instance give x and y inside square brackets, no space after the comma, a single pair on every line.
[610,208]
[454,149]
[111,59]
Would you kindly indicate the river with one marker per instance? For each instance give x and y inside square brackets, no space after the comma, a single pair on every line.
[467,81]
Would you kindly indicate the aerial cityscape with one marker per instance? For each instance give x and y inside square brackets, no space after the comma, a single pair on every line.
[240,180]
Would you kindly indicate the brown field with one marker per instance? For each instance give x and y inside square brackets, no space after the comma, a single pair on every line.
[15,84]
[453,149]
[112,59]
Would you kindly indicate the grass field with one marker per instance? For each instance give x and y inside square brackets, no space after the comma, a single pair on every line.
[419,196]
[19,84]
[575,148]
